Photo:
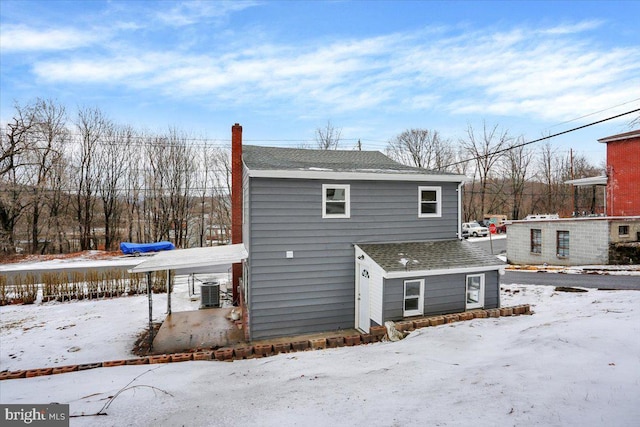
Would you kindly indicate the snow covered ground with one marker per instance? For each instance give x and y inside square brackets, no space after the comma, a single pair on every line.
[576,361]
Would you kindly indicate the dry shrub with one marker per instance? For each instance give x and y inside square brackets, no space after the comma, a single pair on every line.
[26,288]
[4,290]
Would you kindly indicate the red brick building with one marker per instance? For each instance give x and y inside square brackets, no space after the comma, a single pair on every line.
[623,174]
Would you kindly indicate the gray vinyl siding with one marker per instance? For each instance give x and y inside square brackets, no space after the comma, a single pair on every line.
[442,294]
[314,291]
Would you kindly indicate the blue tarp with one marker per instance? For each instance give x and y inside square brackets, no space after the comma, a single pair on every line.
[138,248]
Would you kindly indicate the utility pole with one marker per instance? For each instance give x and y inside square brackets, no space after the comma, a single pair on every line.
[575,188]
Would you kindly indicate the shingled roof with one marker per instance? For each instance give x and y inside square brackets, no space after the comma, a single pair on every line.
[430,255]
[298,159]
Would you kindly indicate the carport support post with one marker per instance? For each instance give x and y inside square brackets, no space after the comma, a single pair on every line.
[168,291]
[149,293]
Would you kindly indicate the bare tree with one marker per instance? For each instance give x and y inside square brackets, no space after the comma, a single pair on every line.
[516,172]
[91,126]
[221,201]
[156,198]
[553,171]
[58,205]
[49,134]
[328,137]
[180,181]
[485,151]
[213,188]
[13,159]
[422,148]
[134,180]
[112,161]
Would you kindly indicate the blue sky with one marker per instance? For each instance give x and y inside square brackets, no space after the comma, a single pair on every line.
[284,68]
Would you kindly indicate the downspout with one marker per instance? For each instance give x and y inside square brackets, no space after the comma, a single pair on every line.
[460,210]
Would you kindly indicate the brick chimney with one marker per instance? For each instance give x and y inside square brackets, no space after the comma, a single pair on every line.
[236,202]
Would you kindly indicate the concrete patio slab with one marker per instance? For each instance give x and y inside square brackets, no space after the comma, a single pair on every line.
[205,328]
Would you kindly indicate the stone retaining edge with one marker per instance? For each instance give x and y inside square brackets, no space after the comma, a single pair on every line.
[248,351]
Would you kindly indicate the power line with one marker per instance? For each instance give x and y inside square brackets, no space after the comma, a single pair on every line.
[595,112]
[541,139]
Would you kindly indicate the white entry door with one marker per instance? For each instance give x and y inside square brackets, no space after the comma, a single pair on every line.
[362,299]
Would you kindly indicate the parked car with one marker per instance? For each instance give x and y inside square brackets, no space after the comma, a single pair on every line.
[475,229]
[465,233]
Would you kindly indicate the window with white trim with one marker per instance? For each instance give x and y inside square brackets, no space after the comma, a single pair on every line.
[413,297]
[336,201]
[475,291]
[429,202]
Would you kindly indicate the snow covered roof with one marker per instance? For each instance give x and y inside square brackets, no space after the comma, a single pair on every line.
[621,136]
[280,162]
[192,258]
[430,258]
[592,180]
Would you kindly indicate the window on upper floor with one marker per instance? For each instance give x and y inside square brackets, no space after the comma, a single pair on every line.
[536,241]
[562,243]
[623,230]
[429,202]
[336,201]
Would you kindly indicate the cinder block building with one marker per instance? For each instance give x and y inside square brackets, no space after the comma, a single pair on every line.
[575,241]
[610,239]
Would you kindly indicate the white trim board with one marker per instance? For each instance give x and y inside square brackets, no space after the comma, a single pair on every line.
[362,176]
[440,272]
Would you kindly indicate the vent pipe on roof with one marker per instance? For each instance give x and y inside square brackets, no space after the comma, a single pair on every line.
[236,202]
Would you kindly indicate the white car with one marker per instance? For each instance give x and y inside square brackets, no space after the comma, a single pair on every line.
[475,229]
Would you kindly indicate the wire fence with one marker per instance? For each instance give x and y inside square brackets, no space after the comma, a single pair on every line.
[75,286]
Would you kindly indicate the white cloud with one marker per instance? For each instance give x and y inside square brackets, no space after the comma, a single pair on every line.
[17,38]
[547,73]
[112,70]
[574,28]
[191,12]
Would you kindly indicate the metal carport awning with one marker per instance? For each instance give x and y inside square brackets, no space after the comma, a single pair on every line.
[185,259]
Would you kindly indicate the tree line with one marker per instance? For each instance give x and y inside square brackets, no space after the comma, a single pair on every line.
[75,183]
[503,180]
[505,176]
[80,182]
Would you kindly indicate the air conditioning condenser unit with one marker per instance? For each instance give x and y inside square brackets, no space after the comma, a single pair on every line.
[210,295]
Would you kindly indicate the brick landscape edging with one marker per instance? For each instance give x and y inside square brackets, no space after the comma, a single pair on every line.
[248,351]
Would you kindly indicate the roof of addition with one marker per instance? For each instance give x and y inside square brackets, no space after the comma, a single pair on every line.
[442,256]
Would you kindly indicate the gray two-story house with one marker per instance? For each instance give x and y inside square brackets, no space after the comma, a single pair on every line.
[349,239]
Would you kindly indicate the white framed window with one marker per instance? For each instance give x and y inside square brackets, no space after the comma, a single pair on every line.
[475,291]
[429,202]
[413,297]
[336,201]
